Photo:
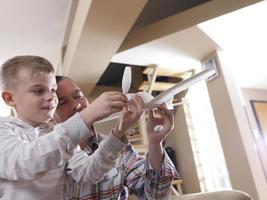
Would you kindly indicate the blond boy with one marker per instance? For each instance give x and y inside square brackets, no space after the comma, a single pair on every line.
[35,157]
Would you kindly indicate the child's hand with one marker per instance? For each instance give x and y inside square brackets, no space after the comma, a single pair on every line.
[130,115]
[106,104]
[165,121]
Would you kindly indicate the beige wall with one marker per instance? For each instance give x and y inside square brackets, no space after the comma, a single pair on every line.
[237,141]
[179,140]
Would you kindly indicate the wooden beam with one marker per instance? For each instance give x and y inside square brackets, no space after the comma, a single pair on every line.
[152,78]
[157,86]
[76,31]
[141,148]
[97,32]
[168,72]
[183,20]
[142,128]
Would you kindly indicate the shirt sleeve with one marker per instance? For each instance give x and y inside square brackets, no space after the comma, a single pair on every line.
[92,168]
[143,181]
[21,159]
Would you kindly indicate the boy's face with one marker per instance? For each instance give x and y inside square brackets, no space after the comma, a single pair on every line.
[71,100]
[34,97]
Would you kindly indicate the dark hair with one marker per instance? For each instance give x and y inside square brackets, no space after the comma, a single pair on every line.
[60,78]
[11,68]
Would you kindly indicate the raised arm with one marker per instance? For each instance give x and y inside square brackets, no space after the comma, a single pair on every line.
[103,159]
[25,156]
[151,178]
[155,137]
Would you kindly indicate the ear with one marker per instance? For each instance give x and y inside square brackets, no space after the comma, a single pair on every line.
[8,98]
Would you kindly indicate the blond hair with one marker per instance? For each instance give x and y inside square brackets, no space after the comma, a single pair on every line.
[32,64]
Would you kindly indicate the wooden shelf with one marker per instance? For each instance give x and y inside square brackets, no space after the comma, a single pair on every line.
[165,72]
[134,139]
[157,86]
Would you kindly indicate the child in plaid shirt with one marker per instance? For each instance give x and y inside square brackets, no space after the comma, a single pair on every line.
[148,178]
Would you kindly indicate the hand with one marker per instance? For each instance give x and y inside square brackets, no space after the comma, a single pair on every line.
[166,120]
[131,114]
[104,105]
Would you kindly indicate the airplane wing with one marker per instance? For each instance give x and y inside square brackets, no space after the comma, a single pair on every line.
[150,102]
[179,87]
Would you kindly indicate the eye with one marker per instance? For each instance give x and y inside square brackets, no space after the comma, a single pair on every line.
[53,91]
[38,91]
[61,102]
[78,95]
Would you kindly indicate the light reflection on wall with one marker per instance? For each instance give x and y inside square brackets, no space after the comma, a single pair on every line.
[208,154]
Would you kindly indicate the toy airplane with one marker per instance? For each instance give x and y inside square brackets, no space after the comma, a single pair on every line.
[166,96]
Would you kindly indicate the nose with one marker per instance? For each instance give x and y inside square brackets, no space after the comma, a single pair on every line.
[76,106]
[50,96]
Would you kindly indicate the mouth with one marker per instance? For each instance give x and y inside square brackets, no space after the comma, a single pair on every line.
[48,108]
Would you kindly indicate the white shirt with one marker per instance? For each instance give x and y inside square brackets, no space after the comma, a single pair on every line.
[32,160]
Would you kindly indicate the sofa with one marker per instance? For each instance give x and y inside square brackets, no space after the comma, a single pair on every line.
[220,195]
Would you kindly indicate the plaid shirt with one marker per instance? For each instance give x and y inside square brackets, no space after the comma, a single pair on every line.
[131,174]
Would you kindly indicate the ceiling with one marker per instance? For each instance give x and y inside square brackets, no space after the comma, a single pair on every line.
[159,9]
[32,27]
[182,51]
[82,37]
[242,35]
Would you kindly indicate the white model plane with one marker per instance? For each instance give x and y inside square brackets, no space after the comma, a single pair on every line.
[166,96]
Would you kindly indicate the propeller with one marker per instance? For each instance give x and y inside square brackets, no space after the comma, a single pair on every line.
[126,80]
[126,84]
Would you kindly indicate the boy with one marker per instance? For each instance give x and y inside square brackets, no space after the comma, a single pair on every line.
[148,178]
[33,153]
